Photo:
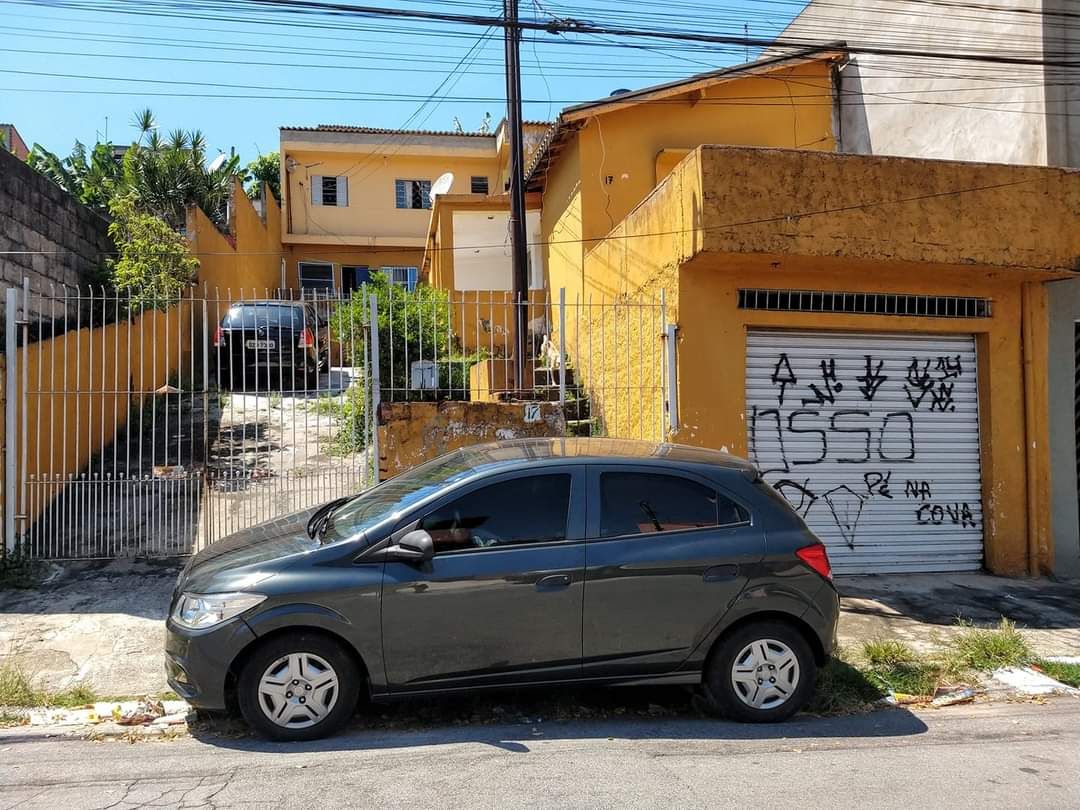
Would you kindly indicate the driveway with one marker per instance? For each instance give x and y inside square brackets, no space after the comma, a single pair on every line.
[977,757]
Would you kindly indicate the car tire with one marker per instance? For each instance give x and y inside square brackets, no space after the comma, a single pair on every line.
[764,672]
[308,705]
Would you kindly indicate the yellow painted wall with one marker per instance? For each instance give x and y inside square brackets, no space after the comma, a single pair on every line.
[372,215]
[712,362]
[638,146]
[852,223]
[245,264]
[83,385]
[338,255]
[752,111]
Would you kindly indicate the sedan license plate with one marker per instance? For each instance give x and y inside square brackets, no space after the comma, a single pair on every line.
[261,344]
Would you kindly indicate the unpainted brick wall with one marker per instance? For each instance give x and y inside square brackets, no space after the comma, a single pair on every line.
[45,234]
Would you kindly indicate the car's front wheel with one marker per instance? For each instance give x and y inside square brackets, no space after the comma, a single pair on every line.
[298,687]
[762,673]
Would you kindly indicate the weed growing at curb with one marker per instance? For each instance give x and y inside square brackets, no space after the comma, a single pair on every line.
[17,690]
[20,571]
[986,650]
[1068,674]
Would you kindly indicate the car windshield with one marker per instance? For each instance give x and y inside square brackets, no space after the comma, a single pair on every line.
[251,316]
[395,495]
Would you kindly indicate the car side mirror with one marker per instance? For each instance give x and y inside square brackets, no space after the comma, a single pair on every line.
[415,547]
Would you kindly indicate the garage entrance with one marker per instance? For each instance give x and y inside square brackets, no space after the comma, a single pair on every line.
[874,439]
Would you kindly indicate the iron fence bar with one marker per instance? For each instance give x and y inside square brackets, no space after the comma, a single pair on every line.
[11,306]
[562,346]
[373,368]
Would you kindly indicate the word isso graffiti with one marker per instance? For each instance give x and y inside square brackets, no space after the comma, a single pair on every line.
[867,415]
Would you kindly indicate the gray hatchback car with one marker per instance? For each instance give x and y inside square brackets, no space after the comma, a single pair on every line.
[522,563]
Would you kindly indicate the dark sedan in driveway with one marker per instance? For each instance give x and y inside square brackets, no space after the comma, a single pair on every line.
[530,562]
[288,342]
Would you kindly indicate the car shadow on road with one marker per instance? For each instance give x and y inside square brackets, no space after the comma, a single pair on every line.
[514,721]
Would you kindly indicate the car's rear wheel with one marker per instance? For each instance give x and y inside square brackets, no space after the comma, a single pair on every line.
[298,687]
[762,673]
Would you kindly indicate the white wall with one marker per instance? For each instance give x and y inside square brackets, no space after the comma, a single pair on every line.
[943,108]
[482,258]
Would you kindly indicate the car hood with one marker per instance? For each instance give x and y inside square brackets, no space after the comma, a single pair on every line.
[241,560]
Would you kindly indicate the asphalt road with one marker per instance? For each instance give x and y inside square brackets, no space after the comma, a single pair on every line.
[978,756]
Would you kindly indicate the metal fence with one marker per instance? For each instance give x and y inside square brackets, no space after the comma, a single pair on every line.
[147,426]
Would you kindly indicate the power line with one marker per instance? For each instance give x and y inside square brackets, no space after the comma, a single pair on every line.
[323,7]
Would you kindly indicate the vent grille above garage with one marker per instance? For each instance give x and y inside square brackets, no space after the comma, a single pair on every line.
[863,303]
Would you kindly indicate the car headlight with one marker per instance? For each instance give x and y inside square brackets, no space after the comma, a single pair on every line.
[198,611]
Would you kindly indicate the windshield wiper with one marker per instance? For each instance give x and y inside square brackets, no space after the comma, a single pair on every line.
[318,523]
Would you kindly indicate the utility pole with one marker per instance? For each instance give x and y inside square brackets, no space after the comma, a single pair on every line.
[518,236]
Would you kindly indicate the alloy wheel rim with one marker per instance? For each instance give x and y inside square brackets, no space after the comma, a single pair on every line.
[765,674]
[298,690]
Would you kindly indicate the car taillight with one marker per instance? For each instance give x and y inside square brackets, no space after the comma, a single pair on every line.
[219,337]
[307,340]
[817,558]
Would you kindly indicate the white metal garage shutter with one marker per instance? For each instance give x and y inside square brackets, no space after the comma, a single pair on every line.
[874,439]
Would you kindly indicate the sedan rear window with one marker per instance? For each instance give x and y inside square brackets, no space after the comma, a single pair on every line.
[252,316]
[643,503]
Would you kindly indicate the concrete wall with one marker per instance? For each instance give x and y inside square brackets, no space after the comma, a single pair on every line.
[411,433]
[1065,520]
[66,242]
[933,107]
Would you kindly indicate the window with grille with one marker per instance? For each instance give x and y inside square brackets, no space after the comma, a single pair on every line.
[479,185]
[863,303]
[403,276]
[412,193]
[330,190]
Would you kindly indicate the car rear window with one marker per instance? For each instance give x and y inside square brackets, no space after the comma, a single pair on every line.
[643,503]
[252,316]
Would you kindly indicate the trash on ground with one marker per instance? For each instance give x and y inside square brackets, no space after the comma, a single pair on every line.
[952,697]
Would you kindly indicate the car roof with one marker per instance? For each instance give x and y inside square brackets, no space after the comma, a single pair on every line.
[520,452]
[267,301]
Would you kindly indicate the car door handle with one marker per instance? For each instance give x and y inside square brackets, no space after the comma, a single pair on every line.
[720,573]
[553,582]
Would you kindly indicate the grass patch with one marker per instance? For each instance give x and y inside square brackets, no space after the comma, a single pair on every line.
[843,689]
[893,665]
[19,571]
[324,406]
[1068,674]
[18,690]
[984,650]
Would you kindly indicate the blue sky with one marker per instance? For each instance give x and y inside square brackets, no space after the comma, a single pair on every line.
[210,69]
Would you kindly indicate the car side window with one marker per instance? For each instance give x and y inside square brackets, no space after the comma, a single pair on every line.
[644,503]
[531,509]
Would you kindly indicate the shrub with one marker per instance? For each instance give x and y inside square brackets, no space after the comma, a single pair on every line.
[153,260]
[988,649]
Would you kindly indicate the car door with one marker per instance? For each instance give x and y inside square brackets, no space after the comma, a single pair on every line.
[500,602]
[668,552]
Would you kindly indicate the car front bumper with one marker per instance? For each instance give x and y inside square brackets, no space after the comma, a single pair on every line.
[197,662]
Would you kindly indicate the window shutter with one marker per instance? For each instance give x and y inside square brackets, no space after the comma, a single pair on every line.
[401,198]
[316,189]
[342,190]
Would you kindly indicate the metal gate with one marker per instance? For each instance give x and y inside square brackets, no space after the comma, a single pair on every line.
[138,426]
[874,439]
[144,426]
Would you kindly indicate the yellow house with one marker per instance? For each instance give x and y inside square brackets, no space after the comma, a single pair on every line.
[358,199]
[871,331]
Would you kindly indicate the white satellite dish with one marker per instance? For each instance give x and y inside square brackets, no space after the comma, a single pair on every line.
[442,185]
[218,162]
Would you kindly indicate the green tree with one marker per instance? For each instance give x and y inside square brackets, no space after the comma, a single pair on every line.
[264,169]
[91,177]
[153,262]
[165,174]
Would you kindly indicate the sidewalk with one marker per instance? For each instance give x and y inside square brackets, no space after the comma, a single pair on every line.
[923,609]
[104,623]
